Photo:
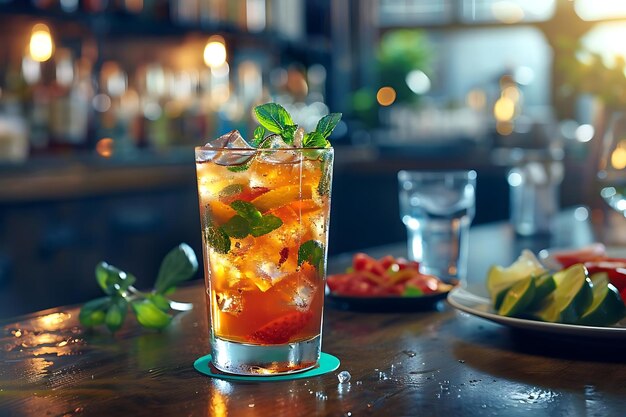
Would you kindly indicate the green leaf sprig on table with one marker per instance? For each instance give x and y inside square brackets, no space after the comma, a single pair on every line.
[153,309]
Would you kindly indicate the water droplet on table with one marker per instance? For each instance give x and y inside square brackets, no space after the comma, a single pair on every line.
[344,376]
[321,396]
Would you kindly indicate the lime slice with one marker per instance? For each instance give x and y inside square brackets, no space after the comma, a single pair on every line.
[520,296]
[570,299]
[544,285]
[500,279]
[607,306]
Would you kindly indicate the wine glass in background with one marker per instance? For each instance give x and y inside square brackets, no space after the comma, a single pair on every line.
[612,166]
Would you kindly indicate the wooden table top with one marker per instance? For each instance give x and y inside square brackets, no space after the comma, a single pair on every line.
[440,362]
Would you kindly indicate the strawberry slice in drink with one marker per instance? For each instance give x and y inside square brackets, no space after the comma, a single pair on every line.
[280,330]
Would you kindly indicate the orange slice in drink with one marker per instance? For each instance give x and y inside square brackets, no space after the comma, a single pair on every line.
[220,212]
[304,206]
[262,282]
[281,196]
[287,213]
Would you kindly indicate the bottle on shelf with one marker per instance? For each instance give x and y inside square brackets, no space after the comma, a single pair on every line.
[153,94]
[70,102]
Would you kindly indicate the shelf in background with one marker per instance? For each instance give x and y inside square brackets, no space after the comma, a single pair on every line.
[118,25]
[75,176]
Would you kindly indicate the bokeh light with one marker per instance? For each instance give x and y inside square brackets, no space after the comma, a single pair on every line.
[418,81]
[507,11]
[105,147]
[504,128]
[511,92]
[215,52]
[584,133]
[40,46]
[386,96]
[504,109]
[618,157]
[476,99]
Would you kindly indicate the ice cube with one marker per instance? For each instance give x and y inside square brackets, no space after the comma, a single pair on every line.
[343,377]
[240,153]
[275,142]
[229,302]
[272,271]
[241,246]
[317,225]
[254,274]
[232,139]
[298,137]
[297,289]
[303,295]
[279,152]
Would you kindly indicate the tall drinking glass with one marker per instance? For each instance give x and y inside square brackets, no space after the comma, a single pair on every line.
[437,209]
[265,217]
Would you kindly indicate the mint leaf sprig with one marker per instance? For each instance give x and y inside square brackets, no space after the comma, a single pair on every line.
[248,221]
[312,252]
[274,119]
[152,309]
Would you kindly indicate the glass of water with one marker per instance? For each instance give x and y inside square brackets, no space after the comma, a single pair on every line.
[437,209]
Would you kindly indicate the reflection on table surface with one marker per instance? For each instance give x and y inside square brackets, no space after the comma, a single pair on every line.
[439,362]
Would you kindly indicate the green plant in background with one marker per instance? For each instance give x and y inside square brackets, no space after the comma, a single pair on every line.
[153,309]
[399,53]
[586,72]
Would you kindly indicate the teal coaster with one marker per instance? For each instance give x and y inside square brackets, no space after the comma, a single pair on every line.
[328,363]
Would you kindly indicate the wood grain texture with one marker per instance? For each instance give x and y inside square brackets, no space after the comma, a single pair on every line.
[431,363]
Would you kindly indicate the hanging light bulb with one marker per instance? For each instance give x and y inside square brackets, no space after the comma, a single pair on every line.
[215,52]
[40,46]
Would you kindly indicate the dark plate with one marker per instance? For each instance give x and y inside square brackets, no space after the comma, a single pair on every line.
[385,304]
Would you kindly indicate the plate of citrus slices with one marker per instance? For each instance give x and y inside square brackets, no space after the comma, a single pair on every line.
[385,284]
[575,292]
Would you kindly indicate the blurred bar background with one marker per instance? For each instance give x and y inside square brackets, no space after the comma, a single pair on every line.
[102,101]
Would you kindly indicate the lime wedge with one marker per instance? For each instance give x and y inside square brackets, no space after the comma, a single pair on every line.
[570,299]
[500,279]
[607,306]
[518,297]
[544,285]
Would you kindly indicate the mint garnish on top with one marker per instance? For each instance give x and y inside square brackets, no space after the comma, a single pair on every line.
[258,135]
[276,120]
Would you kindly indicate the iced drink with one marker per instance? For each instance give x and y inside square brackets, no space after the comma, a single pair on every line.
[264,215]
